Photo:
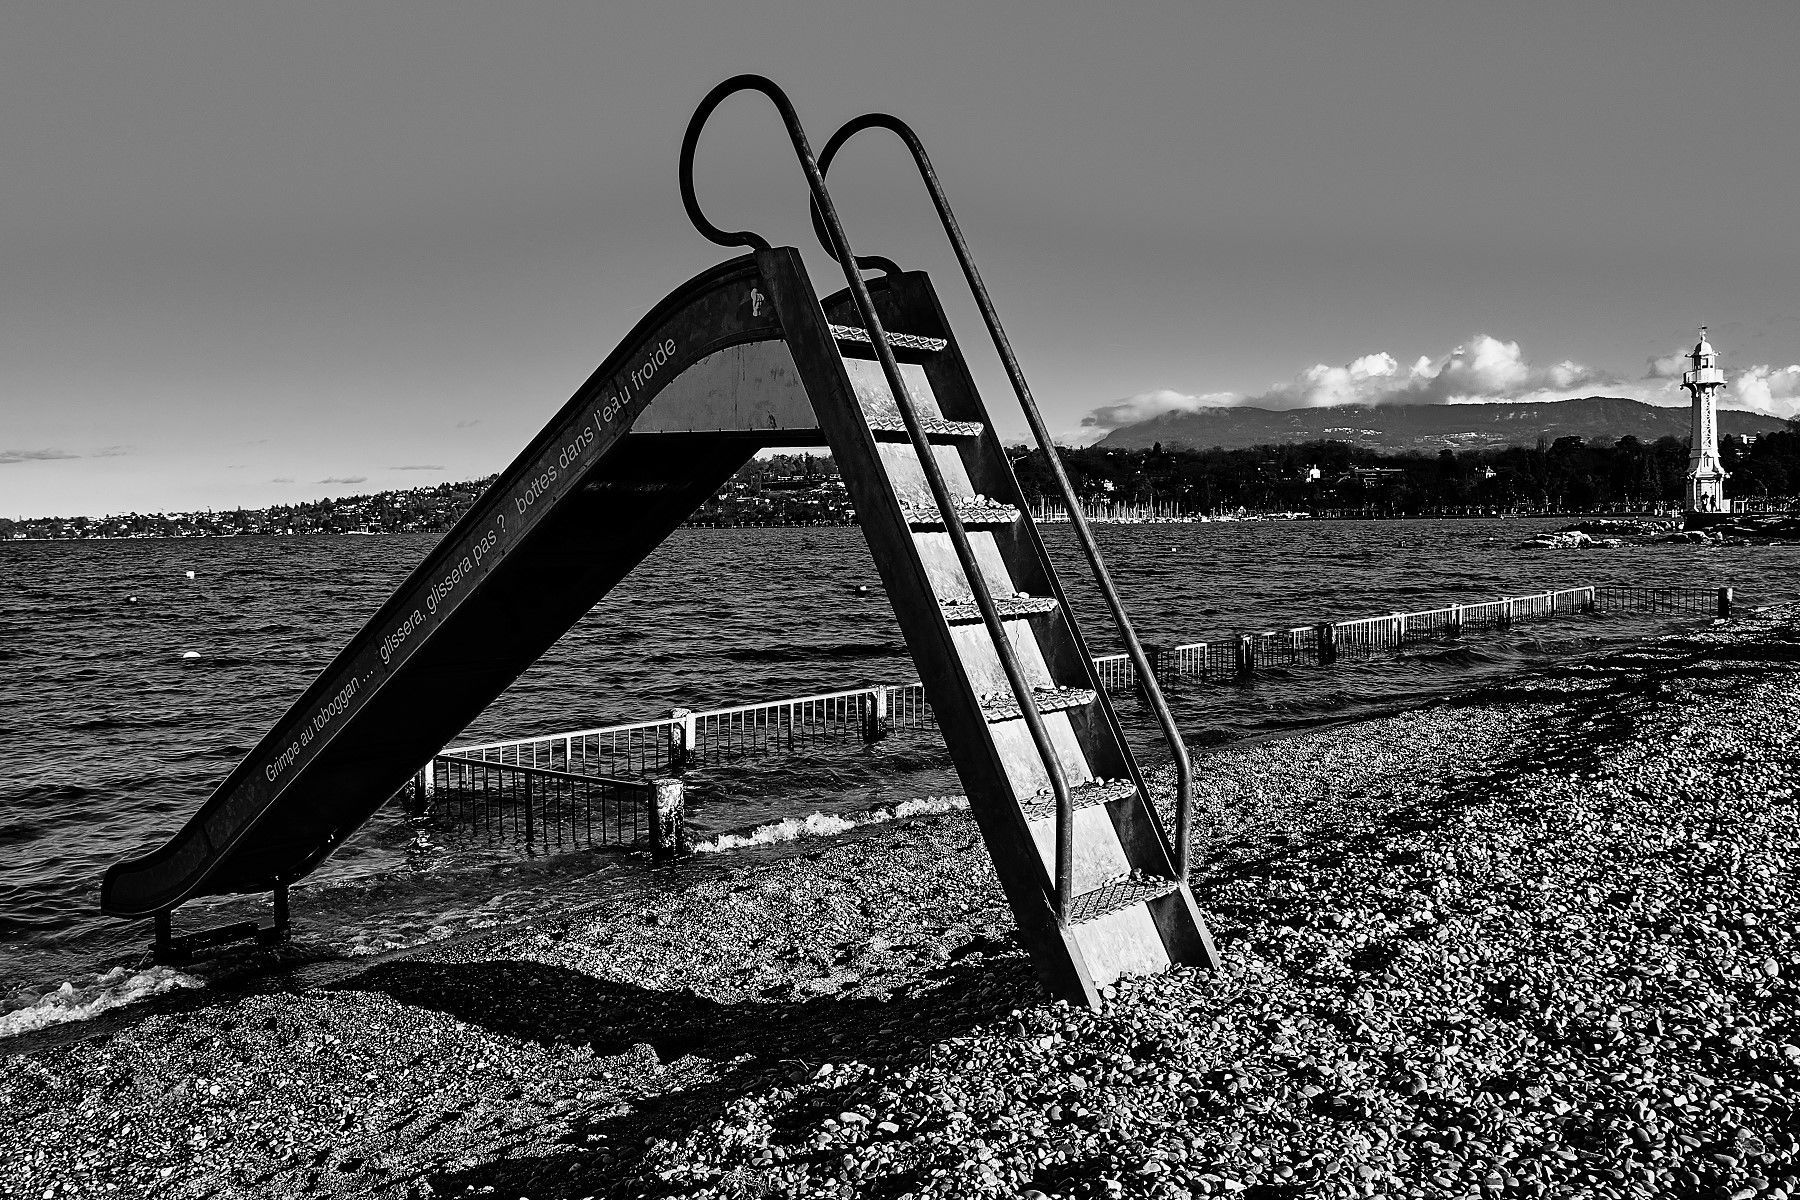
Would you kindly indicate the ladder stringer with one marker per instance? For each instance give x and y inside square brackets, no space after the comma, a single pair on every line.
[1130,915]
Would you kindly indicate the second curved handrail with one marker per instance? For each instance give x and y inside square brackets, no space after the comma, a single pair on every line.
[839,243]
[1184,770]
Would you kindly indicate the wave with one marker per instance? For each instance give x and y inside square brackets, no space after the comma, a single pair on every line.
[112,989]
[839,650]
[819,824]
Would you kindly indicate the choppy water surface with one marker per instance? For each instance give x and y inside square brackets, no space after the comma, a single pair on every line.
[109,738]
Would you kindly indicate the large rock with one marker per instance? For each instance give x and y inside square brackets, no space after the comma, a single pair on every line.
[1567,539]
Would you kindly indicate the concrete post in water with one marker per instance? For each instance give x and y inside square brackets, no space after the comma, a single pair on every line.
[1506,612]
[1454,628]
[1327,644]
[1724,602]
[681,739]
[530,831]
[668,818]
[280,932]
[875,715]
[1588,603]
[1399,629]
[1246,654]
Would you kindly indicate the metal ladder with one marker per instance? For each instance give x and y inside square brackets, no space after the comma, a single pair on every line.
[1093,880]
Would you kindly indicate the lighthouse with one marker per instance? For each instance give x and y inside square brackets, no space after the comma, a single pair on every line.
[1706,476]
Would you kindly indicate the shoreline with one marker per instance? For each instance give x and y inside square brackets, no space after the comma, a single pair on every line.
[1467,948]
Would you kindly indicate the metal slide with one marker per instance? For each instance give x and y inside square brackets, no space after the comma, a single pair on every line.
[741,357]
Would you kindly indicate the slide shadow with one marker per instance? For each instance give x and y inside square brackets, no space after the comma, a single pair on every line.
[752,1046]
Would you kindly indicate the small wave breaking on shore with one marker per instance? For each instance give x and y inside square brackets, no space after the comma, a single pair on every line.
[71,1002]
[818,824]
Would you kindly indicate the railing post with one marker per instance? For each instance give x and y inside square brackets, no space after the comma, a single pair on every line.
[1153,655]
[668,818]
[280,932]
[1328,648]
[1724,603]
[1454,628]
[569,754]
[1246,655]
[681,739]
[419,797]
[875,714]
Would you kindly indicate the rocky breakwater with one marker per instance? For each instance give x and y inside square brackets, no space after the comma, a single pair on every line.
[1755,527]
[1605,533]
[1537,941]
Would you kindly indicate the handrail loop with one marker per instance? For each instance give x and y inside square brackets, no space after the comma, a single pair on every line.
[1184,771]
[838,241]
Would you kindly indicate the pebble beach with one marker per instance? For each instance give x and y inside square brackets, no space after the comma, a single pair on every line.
[1538,940]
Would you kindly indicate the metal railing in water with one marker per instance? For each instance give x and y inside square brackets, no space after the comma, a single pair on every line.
[712,737]
[1367,636]
[559,810]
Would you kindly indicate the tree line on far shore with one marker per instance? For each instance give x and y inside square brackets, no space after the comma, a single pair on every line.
[1567,475]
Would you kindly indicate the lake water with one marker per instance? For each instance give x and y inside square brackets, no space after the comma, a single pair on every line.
[109,738]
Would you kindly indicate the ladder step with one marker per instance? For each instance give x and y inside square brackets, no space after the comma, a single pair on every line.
[1119,894]
[899,341]
[975,514]
[934,426]
[1100,791]
[962,610]
[1003,706]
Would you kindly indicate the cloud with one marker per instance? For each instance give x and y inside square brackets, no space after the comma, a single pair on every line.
[346,479]
[1481,369]
[468,424]
[1668,366]
[1767,389]
[1142,407]
[282,479]
[419,467]
[19,456]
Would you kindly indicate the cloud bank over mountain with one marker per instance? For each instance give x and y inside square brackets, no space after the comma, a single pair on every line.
[1483,369]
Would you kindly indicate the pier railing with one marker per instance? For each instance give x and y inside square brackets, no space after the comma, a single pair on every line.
[595,786]
[559,810]
[1363,637]
[709,737]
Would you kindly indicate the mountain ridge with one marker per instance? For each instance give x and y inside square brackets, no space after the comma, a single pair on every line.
[1427,427]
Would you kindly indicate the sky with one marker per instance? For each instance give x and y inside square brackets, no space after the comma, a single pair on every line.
[257,252]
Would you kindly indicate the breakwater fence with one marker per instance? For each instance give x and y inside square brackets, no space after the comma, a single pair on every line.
[619,786]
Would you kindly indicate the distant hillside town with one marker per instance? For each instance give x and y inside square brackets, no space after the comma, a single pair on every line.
[1327,477]
[783,490]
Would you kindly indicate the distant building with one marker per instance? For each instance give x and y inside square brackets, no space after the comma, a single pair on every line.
[1706,474]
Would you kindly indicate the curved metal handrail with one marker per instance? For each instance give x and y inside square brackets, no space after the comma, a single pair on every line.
[839,243]
[1184,771]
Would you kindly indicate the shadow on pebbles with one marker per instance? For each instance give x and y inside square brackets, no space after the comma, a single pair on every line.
[1538,941]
